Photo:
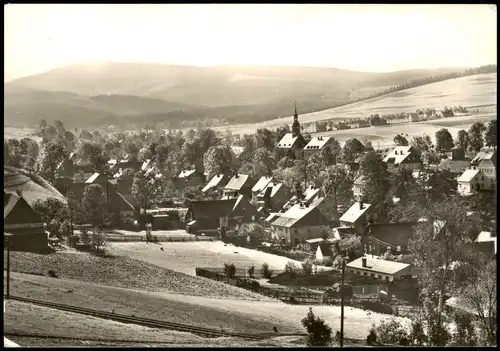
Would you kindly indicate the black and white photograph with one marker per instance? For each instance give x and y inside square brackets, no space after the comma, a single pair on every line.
[250,175]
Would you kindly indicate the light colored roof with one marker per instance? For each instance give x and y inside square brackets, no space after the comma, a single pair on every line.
[485,237]
[237,182]
[216,179]
[186,173]
[287,141]
[298,215]
[378,265]
[484,155]
[310,193]
[468,175]
[145,165]
[272,217]
[261,184]
[361,180]
[112,161]
[312,241]
[237,150]
[354,212]
[13,199]
[399,154]
[317,143]
[92,178]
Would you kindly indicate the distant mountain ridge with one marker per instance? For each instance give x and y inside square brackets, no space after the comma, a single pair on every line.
[102,91]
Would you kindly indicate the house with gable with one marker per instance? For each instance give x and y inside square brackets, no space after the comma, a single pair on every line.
[403,156]
[239,184]
[24,223]
[486,162]
[261,184]
[472,181]
[122,208]
[299,223]
[190,177]
[392,237]
[376,268]
[273,196]
[358,216]
[210,215]
[317,144]
[217,183]
[358,187]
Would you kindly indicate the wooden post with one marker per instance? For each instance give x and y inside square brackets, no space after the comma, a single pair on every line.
[8,267]
[342,305]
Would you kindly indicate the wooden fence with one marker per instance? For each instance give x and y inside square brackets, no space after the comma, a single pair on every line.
[157,238]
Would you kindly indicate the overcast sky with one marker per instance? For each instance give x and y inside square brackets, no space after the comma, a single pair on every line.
[378,38]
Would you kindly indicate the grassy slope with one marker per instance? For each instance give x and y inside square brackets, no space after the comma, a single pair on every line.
[123,272]
[24,318]
[185,257]
[237,315]
[469,92]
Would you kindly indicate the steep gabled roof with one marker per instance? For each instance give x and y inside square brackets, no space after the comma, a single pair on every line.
[92,178]
[216,180]
[300,216]
[354,212]
[186,173]
[468,175]
[317,143]
[288,140]
[399,154]
[123,203]
[485,155]
[261,184]
[237,182]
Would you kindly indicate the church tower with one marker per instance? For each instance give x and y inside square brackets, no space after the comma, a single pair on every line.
[296,124]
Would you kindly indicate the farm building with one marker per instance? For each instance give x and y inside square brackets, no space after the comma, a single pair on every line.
[121,207]
[309,195]
[326,205]
[239,184]
[377,268]
[403,156]
[357,216]
[206,215]
[299,223]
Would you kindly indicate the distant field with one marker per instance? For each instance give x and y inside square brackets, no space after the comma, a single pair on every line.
[471,92]
[185,257]
[236,315]
[382,136]
[20,133]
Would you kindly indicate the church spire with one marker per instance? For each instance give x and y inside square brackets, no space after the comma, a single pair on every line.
[296,124]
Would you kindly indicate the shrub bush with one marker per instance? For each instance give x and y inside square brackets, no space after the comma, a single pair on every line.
[266,272]
[390,332]
[248,284]
[318,332]
[230,270]
[51,273]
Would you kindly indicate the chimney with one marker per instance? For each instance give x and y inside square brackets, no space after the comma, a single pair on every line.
[363,262]
[19,193]
[360,205]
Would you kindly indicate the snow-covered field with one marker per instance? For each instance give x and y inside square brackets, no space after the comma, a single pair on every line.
[186,256]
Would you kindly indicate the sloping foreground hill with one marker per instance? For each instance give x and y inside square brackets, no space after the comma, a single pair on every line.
[471,92]
[123,272]
[226,314]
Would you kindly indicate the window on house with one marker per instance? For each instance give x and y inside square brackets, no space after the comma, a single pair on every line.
[372,274]
[365,273]
[379,276]
[387,278]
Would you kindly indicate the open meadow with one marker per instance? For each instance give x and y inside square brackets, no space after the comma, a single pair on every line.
[185,257]
[472,92]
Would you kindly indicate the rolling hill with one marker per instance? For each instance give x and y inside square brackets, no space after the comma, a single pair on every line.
[470,92]
[120,92]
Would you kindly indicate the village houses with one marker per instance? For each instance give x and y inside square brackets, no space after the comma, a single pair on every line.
[403,156]
[239,184]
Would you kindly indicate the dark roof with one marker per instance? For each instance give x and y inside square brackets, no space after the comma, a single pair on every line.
[326,249]
[222,208]
[392,233]
[18,210]
[121,203]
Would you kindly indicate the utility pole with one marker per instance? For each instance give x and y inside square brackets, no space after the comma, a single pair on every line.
[7,242]
[341,342]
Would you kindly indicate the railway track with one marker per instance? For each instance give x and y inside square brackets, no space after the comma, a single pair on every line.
[147,322]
